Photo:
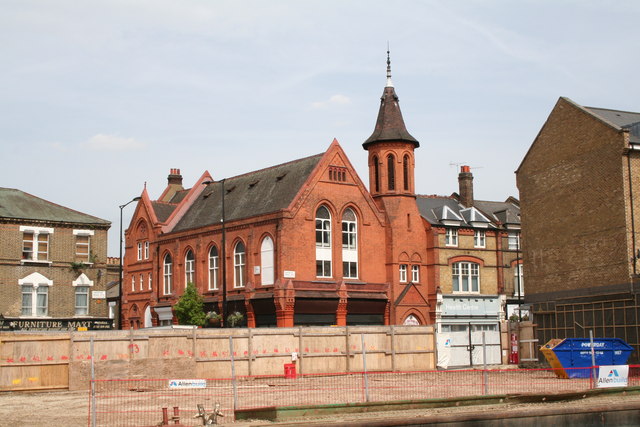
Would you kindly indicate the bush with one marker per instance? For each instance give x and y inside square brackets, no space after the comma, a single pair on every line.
[190,307]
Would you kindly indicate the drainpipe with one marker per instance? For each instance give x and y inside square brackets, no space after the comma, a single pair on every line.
[633,225]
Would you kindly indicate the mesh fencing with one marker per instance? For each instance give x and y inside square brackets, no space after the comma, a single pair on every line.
[140,402]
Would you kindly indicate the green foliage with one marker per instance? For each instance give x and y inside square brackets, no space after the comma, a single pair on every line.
[235,319]
[190,307]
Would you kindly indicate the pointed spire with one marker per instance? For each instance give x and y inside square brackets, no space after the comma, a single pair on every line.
[390,124]
[389,82]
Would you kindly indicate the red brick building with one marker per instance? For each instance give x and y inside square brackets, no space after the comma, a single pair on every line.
[301,243]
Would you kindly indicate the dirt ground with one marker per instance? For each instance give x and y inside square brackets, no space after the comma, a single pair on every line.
[70,408]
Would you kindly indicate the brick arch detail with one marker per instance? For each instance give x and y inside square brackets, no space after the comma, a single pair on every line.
[403,257]
[416,258]
[416,313]
[468,258]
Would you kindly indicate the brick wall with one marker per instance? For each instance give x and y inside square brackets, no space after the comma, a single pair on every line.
[573,204]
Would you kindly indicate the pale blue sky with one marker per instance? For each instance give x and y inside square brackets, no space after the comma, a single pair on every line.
[97,97]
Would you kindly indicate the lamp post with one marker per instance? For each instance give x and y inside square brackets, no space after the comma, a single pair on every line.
[223,253]
[135,199]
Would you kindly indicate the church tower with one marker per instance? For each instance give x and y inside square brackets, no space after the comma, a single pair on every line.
[392,185]
[390,147]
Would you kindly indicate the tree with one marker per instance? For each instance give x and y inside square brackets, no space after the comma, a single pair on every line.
[190,307]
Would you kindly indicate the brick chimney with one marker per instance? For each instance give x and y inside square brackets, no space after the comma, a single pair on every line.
[465,182]
[174,177]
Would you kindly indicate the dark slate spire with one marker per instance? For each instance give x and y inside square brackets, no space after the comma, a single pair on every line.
[390,124]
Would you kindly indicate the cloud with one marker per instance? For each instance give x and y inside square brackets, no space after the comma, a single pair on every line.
[101,142]
[334,100]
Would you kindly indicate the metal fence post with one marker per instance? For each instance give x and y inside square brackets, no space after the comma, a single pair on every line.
[233,375]
[485,375]
[593,360]
[364,367]
[93,386]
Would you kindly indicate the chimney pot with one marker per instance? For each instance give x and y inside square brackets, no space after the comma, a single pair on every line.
[465,169]
[465,183]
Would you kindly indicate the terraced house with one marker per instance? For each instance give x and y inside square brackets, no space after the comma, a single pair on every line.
[307,243]
[52,265]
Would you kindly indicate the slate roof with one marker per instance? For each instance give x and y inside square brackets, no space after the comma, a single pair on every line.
[390,124]
[255,193]
[432,209]
[16,204]
[163,210]
[505,212]
[622,119]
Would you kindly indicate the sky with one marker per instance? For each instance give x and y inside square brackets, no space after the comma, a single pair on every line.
[98,97]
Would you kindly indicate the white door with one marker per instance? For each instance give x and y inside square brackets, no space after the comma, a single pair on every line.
[491,341]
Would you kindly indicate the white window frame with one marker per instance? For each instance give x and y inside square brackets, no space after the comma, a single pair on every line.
[82,282]
[518,281]
[189,268]
[146,250]
[141,282]
[133,283]
[139,251]
[349,245]
[39,285]
[479,239]
[267,261]
[81,256]
[403,273]
[167,273]
[81,310]
[514,241]
[451,237]
[150,282]
[214,268]
[323,245]
[415,273]
[36,254]
[239,265]
[462,277]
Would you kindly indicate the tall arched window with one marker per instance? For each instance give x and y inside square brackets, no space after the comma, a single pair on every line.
[239,260]
[213,268]
[405,171]
[466,277]
[391,172]
[376,174]
[323,242]
[189,268]
[349,245]
[167,268]
[266,260]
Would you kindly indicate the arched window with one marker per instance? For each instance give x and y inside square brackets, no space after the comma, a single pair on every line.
[391,172]
[376,174]
[189,268]
[266,259]
[323,242]
[239,260]
[213,268]
[168,271]
[466,277]
[349,245]
[405,171]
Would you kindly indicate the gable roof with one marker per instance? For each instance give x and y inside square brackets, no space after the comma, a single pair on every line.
[16,204]
[254,193]
[622,119]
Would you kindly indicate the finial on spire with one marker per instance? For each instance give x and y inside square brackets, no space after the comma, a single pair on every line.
[389,82]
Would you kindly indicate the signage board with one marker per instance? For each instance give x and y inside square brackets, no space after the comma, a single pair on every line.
[34,324]
[612,376]
[187,384]
[98,294]
[288,274]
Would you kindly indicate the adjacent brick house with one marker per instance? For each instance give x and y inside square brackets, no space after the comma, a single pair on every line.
[579,185]
[53,265]
[474,262]
[306,243]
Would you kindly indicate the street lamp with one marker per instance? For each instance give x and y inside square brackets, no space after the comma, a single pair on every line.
[223,254]
[135,199]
